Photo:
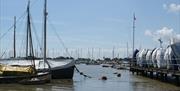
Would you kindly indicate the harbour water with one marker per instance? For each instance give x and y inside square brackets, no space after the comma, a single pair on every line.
[127,82]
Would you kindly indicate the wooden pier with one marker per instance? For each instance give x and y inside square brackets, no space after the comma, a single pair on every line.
[156,73]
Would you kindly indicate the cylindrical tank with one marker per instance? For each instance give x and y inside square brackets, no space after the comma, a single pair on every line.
[176,57]
[142,58]
[135,57]
[149,58]
[154,60]
[138,59]
[161,63]
[168,57]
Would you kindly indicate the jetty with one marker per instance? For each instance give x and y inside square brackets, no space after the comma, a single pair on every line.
[165,75]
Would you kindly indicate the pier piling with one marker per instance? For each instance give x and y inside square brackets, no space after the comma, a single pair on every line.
[160,74]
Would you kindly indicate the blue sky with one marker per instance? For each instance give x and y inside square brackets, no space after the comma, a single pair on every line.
[97,25]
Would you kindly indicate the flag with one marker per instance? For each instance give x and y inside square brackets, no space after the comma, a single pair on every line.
[134,17]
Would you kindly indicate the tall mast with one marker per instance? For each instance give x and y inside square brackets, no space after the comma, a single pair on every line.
[89,54]
[31,52]
[92,53]
[45,21]
[134,18]
[29,41]
[45,30]
[127,50]
[14,37]
[113,54]
[27,32]
[99,53]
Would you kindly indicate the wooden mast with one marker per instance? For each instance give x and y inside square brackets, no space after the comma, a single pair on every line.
[29,41]
[45,30]
[14,47]
[27,32]
[45,21]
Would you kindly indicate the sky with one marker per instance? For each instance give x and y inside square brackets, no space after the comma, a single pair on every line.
[93,28]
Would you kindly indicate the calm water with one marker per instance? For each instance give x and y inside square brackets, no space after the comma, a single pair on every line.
[127,82]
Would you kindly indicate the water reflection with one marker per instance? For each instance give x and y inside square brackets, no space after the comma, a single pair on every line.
[55,85]
[63,85]
[127,82]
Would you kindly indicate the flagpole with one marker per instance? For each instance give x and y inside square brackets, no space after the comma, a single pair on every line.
[134,18]
[133,31]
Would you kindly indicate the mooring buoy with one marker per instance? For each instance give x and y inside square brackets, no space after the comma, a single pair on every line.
[119,75]
[81,73]
[103,78]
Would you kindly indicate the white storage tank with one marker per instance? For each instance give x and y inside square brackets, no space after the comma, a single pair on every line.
[154,60]
[161,63]
[135,56]
[169,57]
[176,51]
[149,58]
[142,58]
[138,58]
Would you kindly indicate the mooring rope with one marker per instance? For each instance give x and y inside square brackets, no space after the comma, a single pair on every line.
[3,54]
[81,73]
[101,78]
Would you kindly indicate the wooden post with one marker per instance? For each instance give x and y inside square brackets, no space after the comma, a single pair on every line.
[157,74]
[161,77]
[137,72]
[177,80]
[165,77]
[151,74]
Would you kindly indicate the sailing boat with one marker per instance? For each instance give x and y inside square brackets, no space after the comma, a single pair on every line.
[60,68]
[25,74]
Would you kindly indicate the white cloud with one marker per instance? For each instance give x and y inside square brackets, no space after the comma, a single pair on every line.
[148,33]
[172,7]
[164,33]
